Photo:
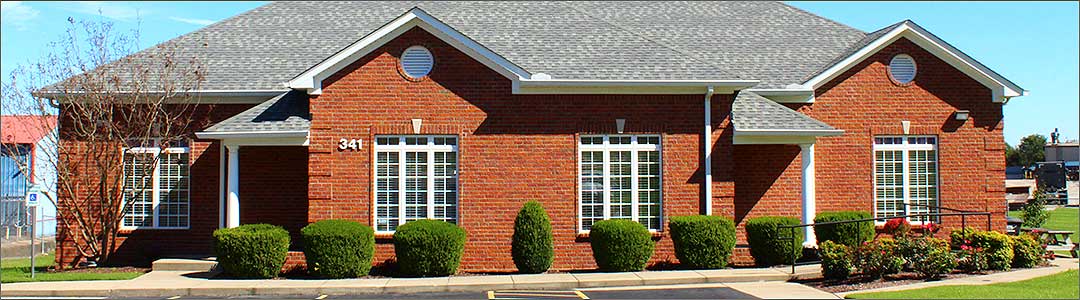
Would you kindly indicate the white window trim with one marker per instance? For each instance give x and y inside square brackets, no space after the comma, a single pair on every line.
[606,148]
[156,186]
[905,147]
[430,148]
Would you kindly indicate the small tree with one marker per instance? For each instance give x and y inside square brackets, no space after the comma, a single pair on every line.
[106,98]
[532,247]
[1034,212]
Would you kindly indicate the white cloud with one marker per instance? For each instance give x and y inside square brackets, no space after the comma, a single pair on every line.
[17,14]
[203,22]
[109,10]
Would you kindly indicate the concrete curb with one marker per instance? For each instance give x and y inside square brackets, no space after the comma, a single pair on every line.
[172,283]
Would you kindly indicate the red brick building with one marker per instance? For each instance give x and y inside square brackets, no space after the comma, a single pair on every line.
[464,111]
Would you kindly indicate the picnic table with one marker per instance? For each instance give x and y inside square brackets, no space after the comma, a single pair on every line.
[1056,240]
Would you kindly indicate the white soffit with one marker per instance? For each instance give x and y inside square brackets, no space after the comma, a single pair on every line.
[1002,88]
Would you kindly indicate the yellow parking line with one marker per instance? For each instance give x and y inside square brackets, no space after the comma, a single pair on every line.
[320,297]
[491,295]
[582,295]
[174,297]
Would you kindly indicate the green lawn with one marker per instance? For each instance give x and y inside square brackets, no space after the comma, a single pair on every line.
[1058,286]
[18,270]
[1064,218]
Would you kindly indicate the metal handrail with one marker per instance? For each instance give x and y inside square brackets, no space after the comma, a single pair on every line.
[963,224]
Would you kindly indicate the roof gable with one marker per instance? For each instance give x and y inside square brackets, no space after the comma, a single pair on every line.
[311,79]
[1001,87]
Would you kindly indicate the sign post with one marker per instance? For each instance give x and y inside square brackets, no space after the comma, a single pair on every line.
[33,198]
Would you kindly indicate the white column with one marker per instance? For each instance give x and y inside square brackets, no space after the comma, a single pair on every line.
[221,185]
[233,219]
[809,202]
[707,137]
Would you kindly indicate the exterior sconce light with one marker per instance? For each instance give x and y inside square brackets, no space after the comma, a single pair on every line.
[962,115]
[620,124]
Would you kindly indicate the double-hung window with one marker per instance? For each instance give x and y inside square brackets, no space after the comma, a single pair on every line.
[156,186]
[415,178]
[620,179]
[905,176]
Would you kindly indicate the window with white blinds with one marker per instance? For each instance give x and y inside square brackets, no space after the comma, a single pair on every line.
[156,187]
[905,176]
[415,178]
[620,177]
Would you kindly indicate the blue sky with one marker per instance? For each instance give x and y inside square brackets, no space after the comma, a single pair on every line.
[1035,44]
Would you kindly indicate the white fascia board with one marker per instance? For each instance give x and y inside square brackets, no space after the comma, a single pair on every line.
[311,80]
[772,140]
[787,132]
[587,86]
[1000,87]
[213,135]
[205,96]
[800,95]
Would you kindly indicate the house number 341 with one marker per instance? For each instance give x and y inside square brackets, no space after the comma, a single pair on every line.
[350,144]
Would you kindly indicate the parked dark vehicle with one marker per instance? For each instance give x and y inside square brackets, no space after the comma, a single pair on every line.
[1050,176]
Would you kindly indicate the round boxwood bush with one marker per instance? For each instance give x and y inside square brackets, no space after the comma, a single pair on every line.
[703,242]
[766,243]
[532,247]
[621,245]
[848,234]
[251,251]
[338,248]
[429,248]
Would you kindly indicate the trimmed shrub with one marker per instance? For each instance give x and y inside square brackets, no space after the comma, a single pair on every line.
[997,246]
[621,245]
[252,250]
[1027,252]
[878,257]
[703,242]
[338,248]
[532,247]
[848,234]
[929,257]
[766,245]
[1034,211]
[428,248]
[835,260]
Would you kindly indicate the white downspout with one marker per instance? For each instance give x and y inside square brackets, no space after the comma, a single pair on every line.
[707,145]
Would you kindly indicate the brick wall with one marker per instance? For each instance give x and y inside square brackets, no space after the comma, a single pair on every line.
[512,148]
[273,187]
[865,102]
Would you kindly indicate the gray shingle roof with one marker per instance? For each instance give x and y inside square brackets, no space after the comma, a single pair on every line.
[285,112]
[767,41]
[751,111]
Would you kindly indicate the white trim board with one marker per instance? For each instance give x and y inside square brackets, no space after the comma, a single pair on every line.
[1001,88]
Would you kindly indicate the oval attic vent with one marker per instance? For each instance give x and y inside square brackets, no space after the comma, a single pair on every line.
[417,61]
[902,68]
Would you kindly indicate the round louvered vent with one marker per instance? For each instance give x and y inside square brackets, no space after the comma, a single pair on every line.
[902,68]
[417,61]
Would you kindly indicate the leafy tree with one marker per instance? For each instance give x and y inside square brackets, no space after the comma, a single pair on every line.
[1031,150]
[1012,156]
[1034,212]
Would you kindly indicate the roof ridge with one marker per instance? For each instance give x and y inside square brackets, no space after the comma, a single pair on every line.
[635,33]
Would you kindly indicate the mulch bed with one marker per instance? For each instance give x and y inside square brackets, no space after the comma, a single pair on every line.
[859,282]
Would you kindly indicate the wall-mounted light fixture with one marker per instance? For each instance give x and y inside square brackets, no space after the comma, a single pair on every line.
[962,115]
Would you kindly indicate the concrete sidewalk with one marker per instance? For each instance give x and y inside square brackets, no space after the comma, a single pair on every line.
[1058,265]
[184,283]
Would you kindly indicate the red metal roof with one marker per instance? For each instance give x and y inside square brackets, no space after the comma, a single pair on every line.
[25,129]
